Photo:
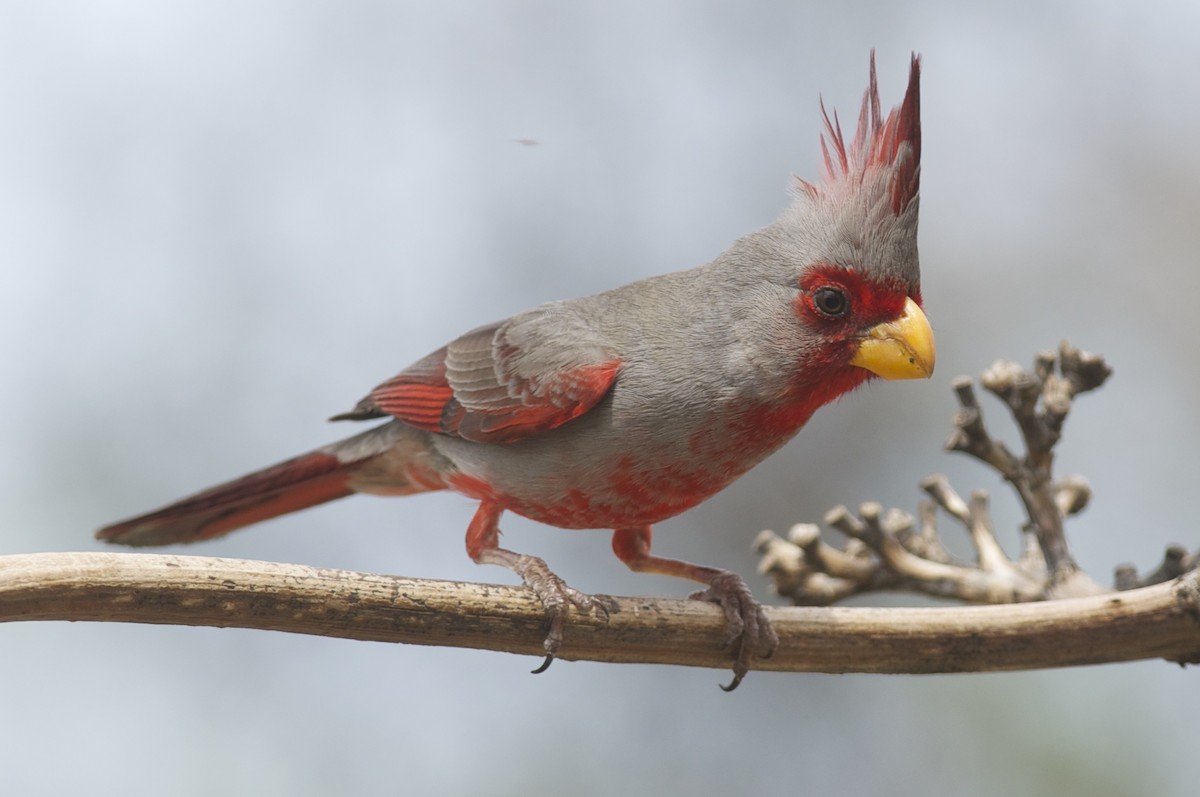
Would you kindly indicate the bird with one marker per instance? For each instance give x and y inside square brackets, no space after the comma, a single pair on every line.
[621,409]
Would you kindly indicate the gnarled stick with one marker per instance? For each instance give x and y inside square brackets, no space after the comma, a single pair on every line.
[892,551]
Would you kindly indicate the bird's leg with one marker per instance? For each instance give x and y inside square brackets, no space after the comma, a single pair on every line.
[483,546]
[749,630]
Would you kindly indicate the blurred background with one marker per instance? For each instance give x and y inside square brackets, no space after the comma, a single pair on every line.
[225,221]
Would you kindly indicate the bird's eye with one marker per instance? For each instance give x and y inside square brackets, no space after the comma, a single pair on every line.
[830,302]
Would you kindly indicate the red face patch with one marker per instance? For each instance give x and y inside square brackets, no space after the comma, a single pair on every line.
[834,297]
[837,306]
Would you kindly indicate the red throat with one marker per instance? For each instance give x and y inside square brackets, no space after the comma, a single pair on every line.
[832,379]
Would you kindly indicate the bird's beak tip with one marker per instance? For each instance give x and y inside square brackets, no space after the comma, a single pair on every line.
[899,349]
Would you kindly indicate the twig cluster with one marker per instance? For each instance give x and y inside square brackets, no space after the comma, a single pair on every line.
[893,551]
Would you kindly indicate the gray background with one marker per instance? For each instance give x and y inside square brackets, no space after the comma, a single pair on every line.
[224,221]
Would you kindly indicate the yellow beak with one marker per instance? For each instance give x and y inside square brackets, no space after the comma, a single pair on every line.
[900,349]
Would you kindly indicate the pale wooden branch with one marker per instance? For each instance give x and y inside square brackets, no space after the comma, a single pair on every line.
[1161,621]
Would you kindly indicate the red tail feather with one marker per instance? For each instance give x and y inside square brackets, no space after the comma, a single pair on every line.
[298,483]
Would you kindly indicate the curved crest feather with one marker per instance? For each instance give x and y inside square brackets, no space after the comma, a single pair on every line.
[892,144]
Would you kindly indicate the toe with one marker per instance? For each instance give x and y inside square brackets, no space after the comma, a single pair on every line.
[748,631]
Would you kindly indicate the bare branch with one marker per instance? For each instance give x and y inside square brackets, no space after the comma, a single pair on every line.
[1162,621]
[901,558]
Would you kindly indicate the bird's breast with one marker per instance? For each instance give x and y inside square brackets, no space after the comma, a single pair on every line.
[588,479]
[627,493]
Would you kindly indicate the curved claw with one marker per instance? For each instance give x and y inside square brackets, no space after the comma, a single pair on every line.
[748,629]
[554,594]
[482,537]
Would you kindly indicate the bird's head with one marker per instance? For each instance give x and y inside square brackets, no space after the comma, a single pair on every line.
[853,237]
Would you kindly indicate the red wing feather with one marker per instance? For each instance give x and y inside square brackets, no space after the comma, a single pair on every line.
[475,389]
[561,398]
[418,396]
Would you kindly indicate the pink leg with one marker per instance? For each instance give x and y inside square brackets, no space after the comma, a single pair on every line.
[483,546]
[749,631]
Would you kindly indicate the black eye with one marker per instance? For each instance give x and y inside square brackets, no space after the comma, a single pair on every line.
[831,302]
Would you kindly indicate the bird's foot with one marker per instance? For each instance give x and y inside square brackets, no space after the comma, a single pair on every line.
[555,595]
[749,632]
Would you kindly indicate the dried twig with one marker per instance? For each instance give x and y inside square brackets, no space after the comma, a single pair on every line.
[886,552]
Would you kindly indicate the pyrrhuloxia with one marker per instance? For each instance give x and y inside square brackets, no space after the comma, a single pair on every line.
[625,408]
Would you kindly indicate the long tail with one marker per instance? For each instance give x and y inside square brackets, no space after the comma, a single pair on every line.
[307,480]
